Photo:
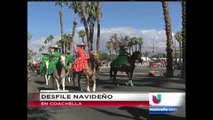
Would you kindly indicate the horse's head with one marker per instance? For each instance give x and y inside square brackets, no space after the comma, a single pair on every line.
[95,57]
[137,55]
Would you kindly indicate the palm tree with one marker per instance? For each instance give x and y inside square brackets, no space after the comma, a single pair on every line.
[40,49]
[29,36]
[82,34]
[130,45]
[91,9]
[178,37]
[183,72]
[83,19]
[66,42]
[109,46]
[140,43]
[50,39]
[98,25]
[169,49]
[135,41]
[115,42]
[30,53]
[75,6]
[61,23]
[45,45]
[58,43]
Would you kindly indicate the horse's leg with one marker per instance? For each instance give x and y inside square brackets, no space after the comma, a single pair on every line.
[63,83]
[68,76]
[94,83]
[69,73]
[111,75]
[97,73]
[87,80]
[46,79]
[128,75]
[130,78]
[73,79]
[79,82]
[57,83]
[52,80]
[115,74]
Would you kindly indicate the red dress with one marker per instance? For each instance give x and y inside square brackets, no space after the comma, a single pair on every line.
[81,62]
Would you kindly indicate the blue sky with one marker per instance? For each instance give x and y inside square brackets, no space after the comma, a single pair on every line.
[43,17]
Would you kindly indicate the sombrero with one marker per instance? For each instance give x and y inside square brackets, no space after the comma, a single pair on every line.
[55,47]
[45,53]
[94,52]
[81,44]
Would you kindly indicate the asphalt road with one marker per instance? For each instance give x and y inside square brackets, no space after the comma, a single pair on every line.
[142,83]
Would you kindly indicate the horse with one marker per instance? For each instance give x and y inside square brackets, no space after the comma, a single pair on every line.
[59,73]
[89,73]
[128,68]
[44,72]
[94,57]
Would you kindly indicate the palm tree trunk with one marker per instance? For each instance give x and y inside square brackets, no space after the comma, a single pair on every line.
[83,39]
[83,14]
[91,29]
[183,71]
[98,26]
[169,49]
[62,29]
[132,49]
[71,46]
[180,56]
[110,53]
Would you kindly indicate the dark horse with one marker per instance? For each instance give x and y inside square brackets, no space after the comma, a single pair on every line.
[89,73]
[128,68]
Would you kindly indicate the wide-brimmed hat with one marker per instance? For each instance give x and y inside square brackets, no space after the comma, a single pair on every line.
[81,44]
[44,53]
[94,52]
[55,47]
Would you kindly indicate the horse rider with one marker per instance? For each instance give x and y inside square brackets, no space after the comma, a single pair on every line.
[81,62]
[44,58]
[54,58]
[123,56]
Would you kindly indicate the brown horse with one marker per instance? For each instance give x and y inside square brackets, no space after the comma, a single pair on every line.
[89,73]
[128,68]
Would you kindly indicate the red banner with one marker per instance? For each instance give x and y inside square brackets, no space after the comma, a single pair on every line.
[88,103]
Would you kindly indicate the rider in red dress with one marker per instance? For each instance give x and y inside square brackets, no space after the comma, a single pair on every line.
[81,62]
